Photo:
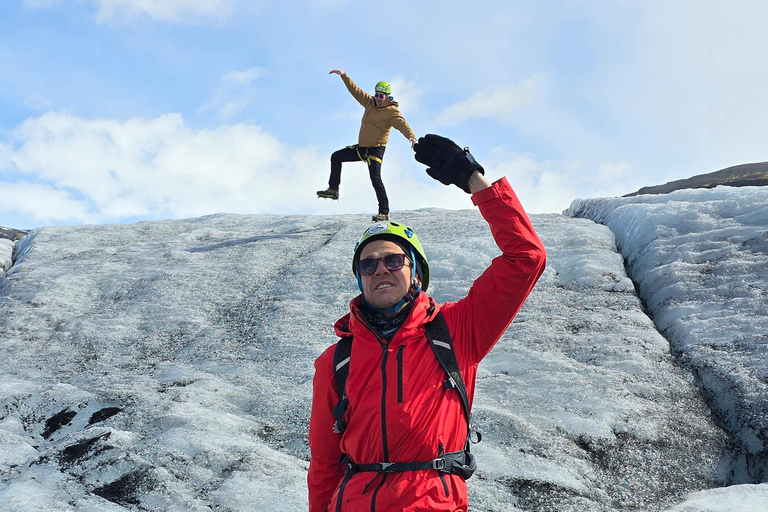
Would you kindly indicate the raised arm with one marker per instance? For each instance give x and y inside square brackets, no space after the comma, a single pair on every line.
[360,95]
[478,320]
[495,298]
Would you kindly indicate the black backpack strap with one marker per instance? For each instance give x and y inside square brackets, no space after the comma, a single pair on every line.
[442,344]
[341,357]
[460,463]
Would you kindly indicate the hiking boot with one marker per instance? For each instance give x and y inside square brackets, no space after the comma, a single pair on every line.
[330,193]
[380,217]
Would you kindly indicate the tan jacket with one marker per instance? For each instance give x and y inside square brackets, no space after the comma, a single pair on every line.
[377,119]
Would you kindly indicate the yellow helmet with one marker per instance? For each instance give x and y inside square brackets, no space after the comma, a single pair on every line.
[398,233]
[383,87]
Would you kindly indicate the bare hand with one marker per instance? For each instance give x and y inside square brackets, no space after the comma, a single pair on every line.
[339,72]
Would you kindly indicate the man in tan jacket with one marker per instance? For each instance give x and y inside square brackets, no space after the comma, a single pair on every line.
[380,115]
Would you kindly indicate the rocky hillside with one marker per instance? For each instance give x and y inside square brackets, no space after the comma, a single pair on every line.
[11,234]
[746,175]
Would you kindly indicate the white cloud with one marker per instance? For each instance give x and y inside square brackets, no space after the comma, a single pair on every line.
[407,94]
[541,186]
[37,101]
[613,171]
[41,4]
[103,170]
[497,103]
[172,11]
[5,156]
[613,179]
[169,11]
[234,94]
[684,85]
[551,185]
[329,3]
[243,77]
[42,202]
[156,168]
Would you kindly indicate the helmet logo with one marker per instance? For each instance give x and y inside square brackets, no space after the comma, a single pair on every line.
[378,228]
[408,232]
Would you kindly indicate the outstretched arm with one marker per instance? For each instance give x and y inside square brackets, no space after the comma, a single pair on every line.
[361,96]
[399,123]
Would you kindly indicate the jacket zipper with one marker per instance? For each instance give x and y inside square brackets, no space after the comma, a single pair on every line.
[385,444]
[400,374]
[385,353]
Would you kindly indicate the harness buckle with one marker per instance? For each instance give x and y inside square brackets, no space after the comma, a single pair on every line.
[438,464]
[384,465]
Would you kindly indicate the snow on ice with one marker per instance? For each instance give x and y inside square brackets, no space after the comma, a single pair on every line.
[6,253]
[699,259]
[168,365]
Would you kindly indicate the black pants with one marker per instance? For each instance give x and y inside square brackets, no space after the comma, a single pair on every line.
[373,157]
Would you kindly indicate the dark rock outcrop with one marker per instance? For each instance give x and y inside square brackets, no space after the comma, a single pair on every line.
[12,234]
[746,175]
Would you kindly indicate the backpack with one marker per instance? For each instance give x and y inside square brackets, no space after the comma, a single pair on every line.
[442,344]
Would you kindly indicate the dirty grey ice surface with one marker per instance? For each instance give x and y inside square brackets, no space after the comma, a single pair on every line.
[699,260]
[168,366]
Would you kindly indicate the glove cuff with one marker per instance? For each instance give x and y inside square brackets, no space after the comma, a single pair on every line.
[477,166]
[467,170]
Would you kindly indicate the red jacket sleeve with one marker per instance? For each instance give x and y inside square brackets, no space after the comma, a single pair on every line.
[479,319]
[325,468]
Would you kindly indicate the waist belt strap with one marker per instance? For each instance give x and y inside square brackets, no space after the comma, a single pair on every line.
[453,463]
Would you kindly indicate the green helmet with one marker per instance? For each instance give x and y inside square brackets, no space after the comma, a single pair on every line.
[397,233]
[383,87]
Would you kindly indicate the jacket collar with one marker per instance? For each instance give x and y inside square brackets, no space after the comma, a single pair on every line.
[424,309]
[385,103]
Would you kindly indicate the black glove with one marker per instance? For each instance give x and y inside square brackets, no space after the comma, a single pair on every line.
[447,162]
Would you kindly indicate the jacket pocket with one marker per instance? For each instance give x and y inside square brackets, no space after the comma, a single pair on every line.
[400,374]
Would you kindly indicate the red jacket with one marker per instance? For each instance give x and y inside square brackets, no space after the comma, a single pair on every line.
[399,410]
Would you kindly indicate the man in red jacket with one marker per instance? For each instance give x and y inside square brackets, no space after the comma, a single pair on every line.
[400,422]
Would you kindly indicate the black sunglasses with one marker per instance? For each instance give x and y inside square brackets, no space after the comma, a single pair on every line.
[393,262]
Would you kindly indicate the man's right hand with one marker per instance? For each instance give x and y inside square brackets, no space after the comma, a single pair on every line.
[447,162]
[339,72]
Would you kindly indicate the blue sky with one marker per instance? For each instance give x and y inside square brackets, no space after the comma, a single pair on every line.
[126,110]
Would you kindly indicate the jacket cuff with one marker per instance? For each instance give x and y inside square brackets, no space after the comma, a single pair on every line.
[499,189]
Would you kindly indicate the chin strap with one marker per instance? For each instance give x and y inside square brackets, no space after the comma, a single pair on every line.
[413,292]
